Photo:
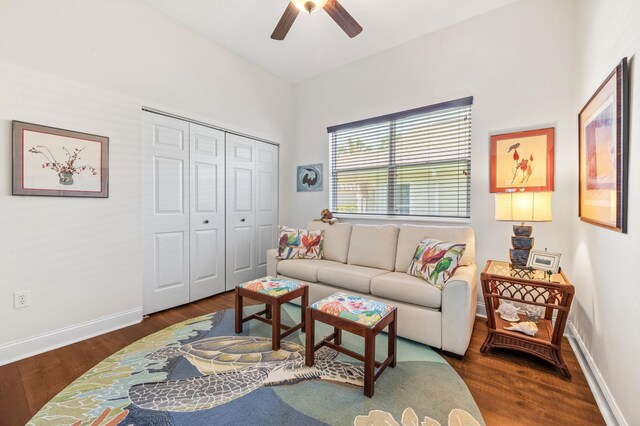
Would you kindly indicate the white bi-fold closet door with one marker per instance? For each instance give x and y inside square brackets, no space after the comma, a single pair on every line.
[252,200]
[185,239]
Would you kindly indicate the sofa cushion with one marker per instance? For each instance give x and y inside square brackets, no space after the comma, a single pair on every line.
[435,261]
[303,269]
[405,288]
[374,246]
[351,277]
[411,235]
[299,243]
[336,239]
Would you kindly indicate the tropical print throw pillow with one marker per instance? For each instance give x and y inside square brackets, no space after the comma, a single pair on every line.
[300,243]
[436,261]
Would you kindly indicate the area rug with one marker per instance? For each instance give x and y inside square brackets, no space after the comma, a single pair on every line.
[199,372]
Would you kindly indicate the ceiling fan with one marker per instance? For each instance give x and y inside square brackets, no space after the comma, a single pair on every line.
[335,10]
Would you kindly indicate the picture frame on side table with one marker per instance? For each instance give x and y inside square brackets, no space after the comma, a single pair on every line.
[61,163]
[603,135]
[522,161]
[544,261]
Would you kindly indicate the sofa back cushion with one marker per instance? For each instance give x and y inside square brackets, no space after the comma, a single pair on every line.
[336,239]
[374,246]
[411,235]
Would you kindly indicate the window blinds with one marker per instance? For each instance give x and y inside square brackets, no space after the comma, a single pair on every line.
[412,163]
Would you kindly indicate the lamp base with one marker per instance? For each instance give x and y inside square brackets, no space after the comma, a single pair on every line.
[522,243]
[519,258]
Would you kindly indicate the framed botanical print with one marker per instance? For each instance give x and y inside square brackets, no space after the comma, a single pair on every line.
[603,144]
[522,161]
[56,162]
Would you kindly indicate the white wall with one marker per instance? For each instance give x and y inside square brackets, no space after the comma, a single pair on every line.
[532,63]
[519,76]
[606,310]
[90,65]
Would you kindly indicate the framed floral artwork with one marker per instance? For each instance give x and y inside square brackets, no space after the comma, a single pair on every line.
[522,161]
[603,145]
[61,163]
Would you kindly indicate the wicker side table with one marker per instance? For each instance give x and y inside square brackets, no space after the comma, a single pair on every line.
[554,293]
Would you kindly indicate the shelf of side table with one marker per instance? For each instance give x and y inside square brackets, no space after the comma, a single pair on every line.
[554,293]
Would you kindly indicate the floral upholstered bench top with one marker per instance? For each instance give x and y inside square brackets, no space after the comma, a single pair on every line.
[355,308]
[272,286]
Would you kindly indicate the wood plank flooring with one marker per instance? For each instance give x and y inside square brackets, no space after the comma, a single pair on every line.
[510,388]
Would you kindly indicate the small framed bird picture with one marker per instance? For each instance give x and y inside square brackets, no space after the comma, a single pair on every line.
[309,178]
[522,161]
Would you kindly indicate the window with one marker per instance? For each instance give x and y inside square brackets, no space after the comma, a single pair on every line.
[412,163]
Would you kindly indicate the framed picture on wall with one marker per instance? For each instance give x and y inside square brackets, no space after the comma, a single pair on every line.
[604,145]
[62,163]
[309,178]
[522,161]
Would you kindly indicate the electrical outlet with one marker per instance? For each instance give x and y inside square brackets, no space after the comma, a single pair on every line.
[21,299]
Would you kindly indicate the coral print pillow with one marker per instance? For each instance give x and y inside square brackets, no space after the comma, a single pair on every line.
[435,261]
[300,243]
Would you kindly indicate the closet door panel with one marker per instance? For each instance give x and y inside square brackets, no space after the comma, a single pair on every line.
[207,214]
[266,203]
[166,212]
[240,194]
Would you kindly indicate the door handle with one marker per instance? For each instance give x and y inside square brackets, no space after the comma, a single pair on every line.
[241,220]
[206,221]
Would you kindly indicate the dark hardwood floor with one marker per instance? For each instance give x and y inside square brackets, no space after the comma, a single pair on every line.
[510,388]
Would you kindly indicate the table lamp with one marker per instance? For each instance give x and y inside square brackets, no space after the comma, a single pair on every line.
[522,207]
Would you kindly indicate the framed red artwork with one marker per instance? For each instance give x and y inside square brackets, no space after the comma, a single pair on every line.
[522,161]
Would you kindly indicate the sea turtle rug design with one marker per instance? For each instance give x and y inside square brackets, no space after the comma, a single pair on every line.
[200,372]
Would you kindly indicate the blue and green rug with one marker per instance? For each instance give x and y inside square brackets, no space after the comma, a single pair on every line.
[199,372]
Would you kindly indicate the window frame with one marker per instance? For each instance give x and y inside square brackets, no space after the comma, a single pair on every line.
[393,166]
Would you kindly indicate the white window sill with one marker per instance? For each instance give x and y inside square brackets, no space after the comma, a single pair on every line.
[402,218]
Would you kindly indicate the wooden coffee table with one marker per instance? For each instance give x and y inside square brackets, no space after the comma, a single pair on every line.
[356,315]
[273,292]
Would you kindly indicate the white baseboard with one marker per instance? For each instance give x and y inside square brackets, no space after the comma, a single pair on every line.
[24,348]
[607,404]
[481,310]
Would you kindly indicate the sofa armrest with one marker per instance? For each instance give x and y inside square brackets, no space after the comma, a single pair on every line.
[459,304]
[272,262]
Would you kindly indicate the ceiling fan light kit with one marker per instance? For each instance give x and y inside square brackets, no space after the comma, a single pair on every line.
[334,9]
[309,5]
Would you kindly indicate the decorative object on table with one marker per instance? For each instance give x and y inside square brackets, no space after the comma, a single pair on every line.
[522,161]
[523,207]
[533,313]
[327,217]
[259,385]
[309,178]
[300,243]
[508,311]
[62,163]
[502,283]
[436,261]
[544,261]
[604,153]
[527,327]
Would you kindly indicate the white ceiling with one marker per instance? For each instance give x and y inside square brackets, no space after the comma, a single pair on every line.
[315,44]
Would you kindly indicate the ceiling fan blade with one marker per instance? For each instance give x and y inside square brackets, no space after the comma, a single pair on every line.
[342,18]
[285,23]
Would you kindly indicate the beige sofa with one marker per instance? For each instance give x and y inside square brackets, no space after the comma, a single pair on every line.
[372,261]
